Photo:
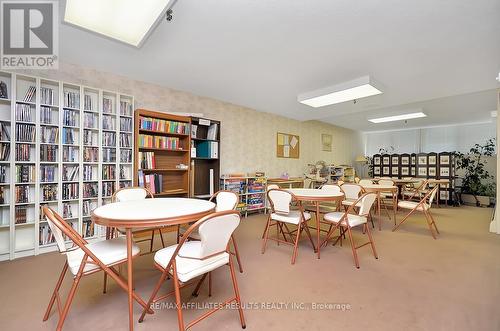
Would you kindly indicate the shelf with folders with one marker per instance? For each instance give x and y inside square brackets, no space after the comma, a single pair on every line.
[251,191]
[52,154]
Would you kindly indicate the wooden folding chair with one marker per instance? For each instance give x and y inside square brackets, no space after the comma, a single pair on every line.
[345,221]
[190,259]
[423,206]
[281,216]
[84,259]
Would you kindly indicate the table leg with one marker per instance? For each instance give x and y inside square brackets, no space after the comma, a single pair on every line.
[317,228]
[395,205]
[129,280]
[378,212]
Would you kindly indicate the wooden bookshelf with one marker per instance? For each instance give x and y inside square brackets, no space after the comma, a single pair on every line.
[205,132]
[62,165]
[167,129]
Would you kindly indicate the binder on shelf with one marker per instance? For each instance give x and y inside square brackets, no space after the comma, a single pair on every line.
[212,131]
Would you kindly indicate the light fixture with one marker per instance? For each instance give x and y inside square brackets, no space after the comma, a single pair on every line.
[397,117]
[128,21]
[352,90]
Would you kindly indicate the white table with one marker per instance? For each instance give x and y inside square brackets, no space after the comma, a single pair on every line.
[379,189]
[148,213]
[316,196]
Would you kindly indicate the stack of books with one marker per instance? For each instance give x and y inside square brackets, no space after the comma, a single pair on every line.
[155,124]
[154,182]
[146,160]
[159,142]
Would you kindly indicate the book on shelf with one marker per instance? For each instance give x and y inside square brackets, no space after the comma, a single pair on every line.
[70,117]
[212,131]
[70,154]
[49,192]
[88,229]
[146,160]
[23,194]
[125,173]
[90,120]
[90,190]
[48,153]
[46,95]
[25,173]
[88,172]
[45,235]
[4,151]
[107,106]
[208,149]
[88,103]
[160,125]
[4,132]
[21,215]
[2,195]
[147,141]
[25,112]
[29,96]
[109,139]
[88,206]
[49,135]
[90,154]
[126,155]
[46,115]
[108,188]
[194,131]
[48,173]
[125,140]
[125,108]
[126,124]
[71,99]
[3,174]
[69,191]
[108,172]
[70,173]
[67,210]
[23,152]
[108,122]
[109,155]
[25,132]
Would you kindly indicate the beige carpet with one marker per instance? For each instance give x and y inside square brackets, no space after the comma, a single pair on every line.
[417,284]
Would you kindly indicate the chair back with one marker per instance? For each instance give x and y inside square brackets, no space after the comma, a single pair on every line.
[365,182]
[431,195]
[331,188]
[340,182]
[351,191]
[280,200]
[131,194]
[273,187]
[367,201]
[60,229]
[386,182]
[357,179]
[226,200]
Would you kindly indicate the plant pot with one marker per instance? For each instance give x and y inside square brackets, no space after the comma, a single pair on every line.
[469,199]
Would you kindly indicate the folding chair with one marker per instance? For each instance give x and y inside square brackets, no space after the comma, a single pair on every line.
[281,216]
[423,206]
[345,221]
[189,259]
[84,259]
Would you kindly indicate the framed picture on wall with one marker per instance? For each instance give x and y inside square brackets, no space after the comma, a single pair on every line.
[386,160]
[405,160]
[432,172]
[422,171]
[444,159]
[395,159]
[422,160]
[405,171]
[395,171]
[386,171]
[432,159]
[444,172]
[326,142]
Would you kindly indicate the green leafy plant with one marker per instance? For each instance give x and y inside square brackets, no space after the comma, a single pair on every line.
[476,176]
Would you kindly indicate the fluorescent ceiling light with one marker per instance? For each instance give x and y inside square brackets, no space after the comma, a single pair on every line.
[129,21]
[397,117]
[355,89]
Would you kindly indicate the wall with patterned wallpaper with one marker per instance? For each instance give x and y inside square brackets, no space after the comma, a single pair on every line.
[248,136]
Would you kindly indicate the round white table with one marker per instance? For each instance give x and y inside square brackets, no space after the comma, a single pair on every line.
[316,196]
[146,213]
[379,189]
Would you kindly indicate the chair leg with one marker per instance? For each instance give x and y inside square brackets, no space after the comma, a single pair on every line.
[266,233]
[163,276]
[105,283]
[196,290]
[210,282]
[429,224]
[308,232]
[403,220]
[372,244]
[433,221]
[237,292]
[296,245]
[178,298]
[56,291]
[161,238]
[152,241]
[178,233]
[354,253]
[237,253]
[69,300]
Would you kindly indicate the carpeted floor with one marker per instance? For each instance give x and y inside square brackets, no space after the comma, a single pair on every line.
[417,284]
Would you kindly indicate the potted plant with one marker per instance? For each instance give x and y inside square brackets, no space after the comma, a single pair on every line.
[475,186]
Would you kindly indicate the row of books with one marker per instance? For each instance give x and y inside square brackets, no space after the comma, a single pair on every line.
[126,155]
[48,173]
[108,188]
[69,136]
[90,154]
[70,173]
[125,140]
[88,229]
[108,172]
[126,108]
[108,155]
[22,194]
[159,142]
[235,185]
[2,197]
[153,182]
[125,173]
[70,117]
[49,134]
[90,190]
[89,138]
[25,112]
[156,124]
[108,122]
[4,132]
[49,192]
[23,152]
[29,96]
[88,103]
[67,210]
[3,174]
[127,183]
[109,139]
[48,153]
[107,106]
[126,124]
[70,154]
[90,120]
[88,206]
[46,115]
[45,235]
[70,191]
[25,173]
[25,132]
[47,96]
[88,172]
[21,214]
[207,149]
[4,151]
[71,99]
[146,160]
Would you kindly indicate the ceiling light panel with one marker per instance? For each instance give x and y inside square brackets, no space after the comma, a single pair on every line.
[128,21]
[398,117]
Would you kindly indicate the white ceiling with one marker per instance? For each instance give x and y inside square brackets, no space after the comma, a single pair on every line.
[261,54]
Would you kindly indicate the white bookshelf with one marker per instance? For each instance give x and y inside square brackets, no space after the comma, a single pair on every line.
[247,194]
[81,131]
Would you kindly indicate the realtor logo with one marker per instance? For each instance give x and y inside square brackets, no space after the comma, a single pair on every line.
[29,33]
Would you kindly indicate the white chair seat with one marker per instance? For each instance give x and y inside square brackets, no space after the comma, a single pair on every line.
[108,251]
[412,204]
[354,220]
[189,267]
[350,202]
[292,217]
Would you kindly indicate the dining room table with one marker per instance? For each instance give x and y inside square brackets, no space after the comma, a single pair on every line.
[379,189]
[148,213]
[316,196]
[399,182]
